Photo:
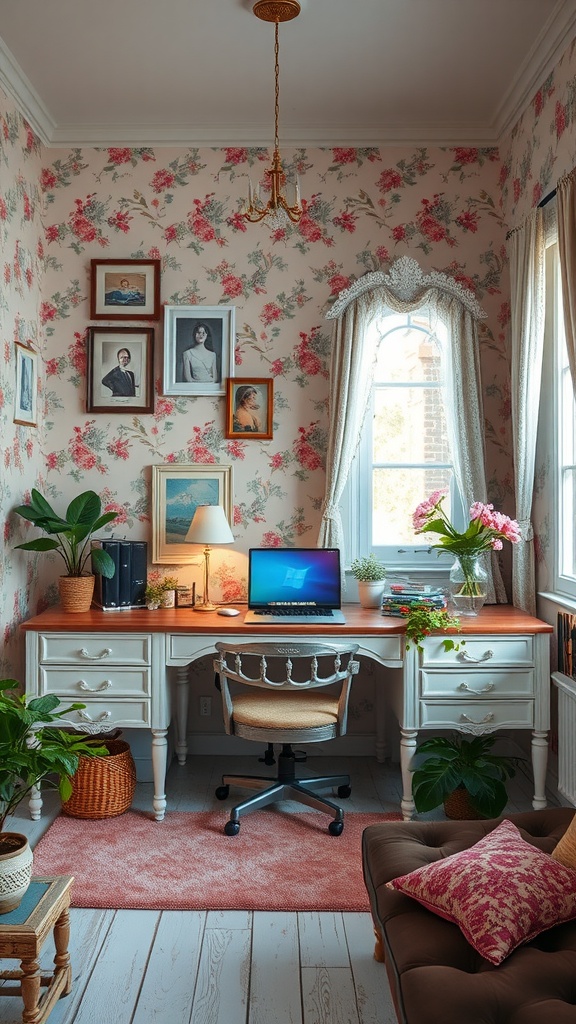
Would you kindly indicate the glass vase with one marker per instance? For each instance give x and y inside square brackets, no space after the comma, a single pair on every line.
[468,584]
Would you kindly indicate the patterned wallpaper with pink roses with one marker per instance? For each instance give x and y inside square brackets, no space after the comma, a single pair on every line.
[364,207]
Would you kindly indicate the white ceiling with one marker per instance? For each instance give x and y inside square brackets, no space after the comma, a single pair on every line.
[201,72]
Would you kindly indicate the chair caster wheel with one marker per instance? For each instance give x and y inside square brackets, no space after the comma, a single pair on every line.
[335,828]
[344,791]
[232,828]
[222,792]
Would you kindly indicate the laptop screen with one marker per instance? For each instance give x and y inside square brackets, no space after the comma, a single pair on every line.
[294,577]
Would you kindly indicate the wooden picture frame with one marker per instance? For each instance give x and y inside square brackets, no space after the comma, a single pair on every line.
[115,383]
[125,289]
[177,490]
[26,390]
[250,408]
[198,367]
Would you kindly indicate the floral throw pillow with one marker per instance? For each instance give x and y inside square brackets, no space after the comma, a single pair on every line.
[500,892]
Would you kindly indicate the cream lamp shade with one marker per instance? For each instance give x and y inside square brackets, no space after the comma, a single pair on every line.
[209,526]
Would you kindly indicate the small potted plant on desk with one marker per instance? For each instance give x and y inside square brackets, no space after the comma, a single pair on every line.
[70,536]
[370,574]
[462,775]
[32,753]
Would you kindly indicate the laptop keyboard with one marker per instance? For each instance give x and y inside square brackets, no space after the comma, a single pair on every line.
[279,612]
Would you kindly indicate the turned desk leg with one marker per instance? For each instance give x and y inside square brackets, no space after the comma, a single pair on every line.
[159,760]
[539,764]
[182,683]
[408,738]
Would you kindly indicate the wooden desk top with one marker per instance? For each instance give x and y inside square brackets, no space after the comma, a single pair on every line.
[494,619]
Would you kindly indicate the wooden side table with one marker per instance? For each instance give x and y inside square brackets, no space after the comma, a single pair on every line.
[23,931]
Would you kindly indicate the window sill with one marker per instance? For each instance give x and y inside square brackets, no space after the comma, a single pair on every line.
[560,599]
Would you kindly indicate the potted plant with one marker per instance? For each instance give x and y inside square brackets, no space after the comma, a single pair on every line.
[70,536]
[370,574]
[463,775]
[423,619]
[169,588]
[154,594]
[32,753]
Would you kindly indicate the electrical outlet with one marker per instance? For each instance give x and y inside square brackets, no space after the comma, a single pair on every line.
[205,706]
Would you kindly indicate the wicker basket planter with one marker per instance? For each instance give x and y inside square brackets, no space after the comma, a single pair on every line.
[76,592]
[103,787]
[459,807]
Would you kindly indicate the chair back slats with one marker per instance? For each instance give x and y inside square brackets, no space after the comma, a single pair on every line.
[286,655]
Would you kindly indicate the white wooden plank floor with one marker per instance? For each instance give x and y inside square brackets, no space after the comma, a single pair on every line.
[228,967]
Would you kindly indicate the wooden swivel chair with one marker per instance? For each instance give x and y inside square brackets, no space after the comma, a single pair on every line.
[280,697]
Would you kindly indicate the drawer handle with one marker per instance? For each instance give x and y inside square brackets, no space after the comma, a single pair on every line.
[470,689]
[101,718]
[95,657]
[483,721]
[464,656]
[104,685]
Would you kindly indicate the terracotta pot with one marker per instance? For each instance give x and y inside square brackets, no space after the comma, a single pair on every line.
[15,869]
[76,592]
[458,806]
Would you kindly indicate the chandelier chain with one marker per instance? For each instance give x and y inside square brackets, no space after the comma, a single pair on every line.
[276,84]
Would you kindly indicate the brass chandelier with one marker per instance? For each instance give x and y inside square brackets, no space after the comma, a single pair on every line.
[276,205]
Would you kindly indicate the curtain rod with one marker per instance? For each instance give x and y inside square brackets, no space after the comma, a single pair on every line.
[547,198]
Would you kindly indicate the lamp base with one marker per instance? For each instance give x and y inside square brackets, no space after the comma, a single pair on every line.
[205,606]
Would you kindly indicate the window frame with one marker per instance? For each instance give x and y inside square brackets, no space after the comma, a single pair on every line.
[564,585]
[418,560]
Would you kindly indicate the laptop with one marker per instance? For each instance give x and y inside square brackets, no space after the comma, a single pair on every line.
[301,585]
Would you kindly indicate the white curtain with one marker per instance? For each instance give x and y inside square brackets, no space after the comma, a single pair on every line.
[566,206]
[527,326]
[404,289]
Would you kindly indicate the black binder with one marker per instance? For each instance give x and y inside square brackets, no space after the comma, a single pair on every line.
[138,574]
[125,575]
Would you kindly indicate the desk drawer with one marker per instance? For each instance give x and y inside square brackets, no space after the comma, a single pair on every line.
[84,683]
[479,684]
[483,651]
[94,648]
[102,715]
[502,714]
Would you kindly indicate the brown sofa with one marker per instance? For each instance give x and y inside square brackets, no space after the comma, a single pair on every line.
[435,976]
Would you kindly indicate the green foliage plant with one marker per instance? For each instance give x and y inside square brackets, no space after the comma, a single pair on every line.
[154,592]
[459,762]
[32,751]
[422,620]
[70,535]
[368,569]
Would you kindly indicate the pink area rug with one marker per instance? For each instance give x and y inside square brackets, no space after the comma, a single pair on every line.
[278,861]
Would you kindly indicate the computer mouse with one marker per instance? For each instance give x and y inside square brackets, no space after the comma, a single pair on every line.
[228,611]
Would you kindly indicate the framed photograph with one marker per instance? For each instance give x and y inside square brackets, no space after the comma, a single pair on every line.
[26,394]
[198,349]
[120,369]
[249,407]
[124,289]
[176,493]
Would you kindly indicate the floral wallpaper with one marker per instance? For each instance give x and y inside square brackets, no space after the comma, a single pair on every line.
[449,208]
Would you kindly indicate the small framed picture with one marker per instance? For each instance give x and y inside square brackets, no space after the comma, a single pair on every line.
[198,349]
[26,394]
[124,289]
[177,490]
[120,368]
[249,407]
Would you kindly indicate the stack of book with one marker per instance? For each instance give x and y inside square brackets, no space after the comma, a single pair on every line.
[127,587]
[404,595]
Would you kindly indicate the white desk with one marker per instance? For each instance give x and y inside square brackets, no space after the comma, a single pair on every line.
[116,663]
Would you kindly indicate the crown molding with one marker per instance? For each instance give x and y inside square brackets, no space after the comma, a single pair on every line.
[17,86]
[557,34]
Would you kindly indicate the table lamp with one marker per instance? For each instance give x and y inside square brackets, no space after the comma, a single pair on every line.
[209,526]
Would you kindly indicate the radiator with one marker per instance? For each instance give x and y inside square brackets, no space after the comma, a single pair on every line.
[566,735]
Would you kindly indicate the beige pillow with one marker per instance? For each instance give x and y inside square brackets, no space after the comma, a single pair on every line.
[565,851]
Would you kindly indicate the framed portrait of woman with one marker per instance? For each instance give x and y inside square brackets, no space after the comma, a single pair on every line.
[26,391]
[249,408]
[198,349]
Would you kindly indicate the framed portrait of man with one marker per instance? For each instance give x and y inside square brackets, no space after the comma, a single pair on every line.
[120,362]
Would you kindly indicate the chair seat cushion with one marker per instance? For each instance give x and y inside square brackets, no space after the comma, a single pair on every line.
[285,709]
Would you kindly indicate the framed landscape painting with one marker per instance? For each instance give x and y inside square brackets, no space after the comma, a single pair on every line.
[124,289]
[177,491]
